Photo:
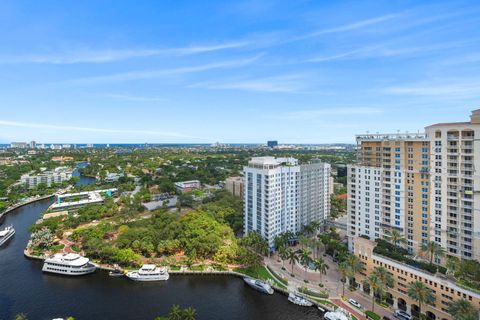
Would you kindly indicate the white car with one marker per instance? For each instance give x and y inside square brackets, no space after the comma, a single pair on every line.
[402,315]
[354,303]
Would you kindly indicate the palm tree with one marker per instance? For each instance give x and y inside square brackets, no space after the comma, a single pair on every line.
[175,313]
[432,249]
[21,316]
[355,264]
[419,292]
[279,242]
[282,253]
[189,314]
[462,310]
[376,286]
[346,272]
[305,259]
[321,267]
[452,265]
[396,238]
[292,258]
[384,276]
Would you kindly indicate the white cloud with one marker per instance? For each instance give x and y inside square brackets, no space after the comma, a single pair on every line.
[328,112]
[112,55]
[463,89]
[153,74]
[286,84]
[93,130]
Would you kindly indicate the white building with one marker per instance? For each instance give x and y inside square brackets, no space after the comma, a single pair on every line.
[281,195]
[364,205]
[58,175]
[455,185]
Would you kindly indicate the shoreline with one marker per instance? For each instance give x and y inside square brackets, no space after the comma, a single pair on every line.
[282,291]
[21,204]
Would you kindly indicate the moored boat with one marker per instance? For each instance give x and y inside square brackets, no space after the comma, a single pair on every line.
[116,272]
[259,285]
[71,264]
[338,314]
[6,234]
[298,300]
[149,272]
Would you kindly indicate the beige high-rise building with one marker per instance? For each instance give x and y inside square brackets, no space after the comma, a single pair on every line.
[235,185]
[389,188]
[455,196]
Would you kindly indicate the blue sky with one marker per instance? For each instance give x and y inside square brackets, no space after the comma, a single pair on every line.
[240,71]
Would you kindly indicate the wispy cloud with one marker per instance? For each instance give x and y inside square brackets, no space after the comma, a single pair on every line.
[113,55]
[128,97]
[328,112]
[153,74]
[286,84]
[350,26]
[460,88]
[94,130]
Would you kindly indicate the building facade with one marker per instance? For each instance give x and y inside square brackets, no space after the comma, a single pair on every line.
[235,185]
[445,290]
[58,175]
[281,195]
[455,196]
[429,188]
[389,188]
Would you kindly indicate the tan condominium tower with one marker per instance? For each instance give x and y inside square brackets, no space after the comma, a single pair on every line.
[388,188]
[455,189]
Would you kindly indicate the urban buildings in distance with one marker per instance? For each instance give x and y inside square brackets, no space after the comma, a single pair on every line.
[422,185]
[282,195]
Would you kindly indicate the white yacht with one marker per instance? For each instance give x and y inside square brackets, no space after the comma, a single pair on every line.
[338,314]
[296,299]
[259,285]
[71,264]
[149,272]
[6,234]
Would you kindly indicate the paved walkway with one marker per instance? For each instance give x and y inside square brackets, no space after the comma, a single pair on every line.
[331,284]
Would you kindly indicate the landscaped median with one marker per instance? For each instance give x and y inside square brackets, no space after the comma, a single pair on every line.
[372,315]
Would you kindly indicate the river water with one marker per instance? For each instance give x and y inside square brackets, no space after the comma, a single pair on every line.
[24,288]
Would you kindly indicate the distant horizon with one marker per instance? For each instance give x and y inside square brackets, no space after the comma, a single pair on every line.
[170,143]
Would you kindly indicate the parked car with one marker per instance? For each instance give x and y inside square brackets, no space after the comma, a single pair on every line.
[402,315]
[354,303]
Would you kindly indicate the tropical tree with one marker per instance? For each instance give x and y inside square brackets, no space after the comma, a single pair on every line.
[189,314]
[21,316]
[432,249]
[462,310]
[321,267]
[396,238]
[292,258]
[419,292]
[282,253]
[175,313]
[346,273]
[305,259]
[452,265]
[376,286]
[384,276]
[279,242]
[355,264]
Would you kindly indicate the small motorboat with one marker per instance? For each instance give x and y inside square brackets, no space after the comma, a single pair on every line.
[116,272]
[299,301]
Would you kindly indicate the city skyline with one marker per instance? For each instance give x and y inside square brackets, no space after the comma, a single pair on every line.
[245,73]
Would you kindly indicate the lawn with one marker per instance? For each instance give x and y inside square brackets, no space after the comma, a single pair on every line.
[260,273]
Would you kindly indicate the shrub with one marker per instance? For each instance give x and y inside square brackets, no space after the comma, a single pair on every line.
[372,315]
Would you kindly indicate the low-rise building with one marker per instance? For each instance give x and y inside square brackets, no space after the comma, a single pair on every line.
[235,185]
[74,201]
[187,186]
[444,289]
[58,175]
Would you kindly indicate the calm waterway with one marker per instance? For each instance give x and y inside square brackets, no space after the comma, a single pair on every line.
[24,288]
